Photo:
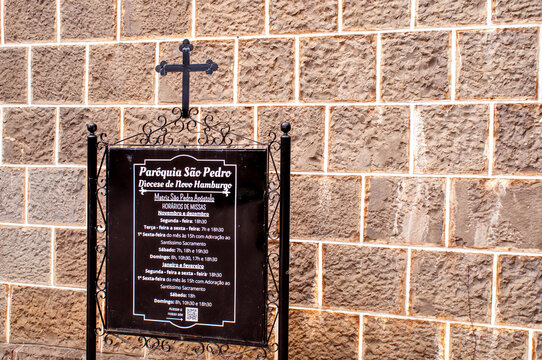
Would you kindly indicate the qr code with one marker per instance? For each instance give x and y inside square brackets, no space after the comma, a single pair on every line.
[191,314]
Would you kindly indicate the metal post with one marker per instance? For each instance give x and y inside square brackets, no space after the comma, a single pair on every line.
[284,265]
[186,47]
[92,182]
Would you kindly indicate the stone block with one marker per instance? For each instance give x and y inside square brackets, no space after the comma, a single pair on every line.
[415,66]
[179,350]
[70,257]
[48,316]
[88,20]
[391,339]
[496,213]
[451,285]
[517,11]
[496,64]
[266,70]
[121,73]
[4,293]
[451,12]
[123,345]
[29,135]
[338,68]
[369,139]
[217,87]
[52,82]
[135,118]
[29,21]
[6,350]
[298,17]
[226,17]
[518,290]
[316,335]
[376,14]
[362,278]
[57,196]
[451,139]
[307,133]
[29,352]
[405,210]
[13,76]
[518,139]
[486,343]
[12,183]
[240,120]
[326,207]
[145,19]
[537,355]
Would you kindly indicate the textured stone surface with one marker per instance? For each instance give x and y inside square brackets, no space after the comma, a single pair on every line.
[487,344]
[405,210]
[338,68]
[143,19]
[70,257]
[296,16]
[57,196]
[497,64]
[73,131]
[519,290]
[240,120]
[11,194]
[266,70]
[537,346]
[518,138]
[48,316]
[391,339]
[451,12]
[217,87]
[130,346]
[514,11]
[307,133]
[325,207]
[415,66]
[316,335]
[451,138]
[367,279]
[135,118]
[4,291]
[88,20]
[375,14]
[51,81]
[121,73]
[230,17]
[25,255]
[6,350]
[179,350]
[451,285]
[29,135]
[46,353]
[369,138]
[29,20]
[496,213]
[13,75]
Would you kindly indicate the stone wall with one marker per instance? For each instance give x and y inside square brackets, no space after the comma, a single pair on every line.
[417,158]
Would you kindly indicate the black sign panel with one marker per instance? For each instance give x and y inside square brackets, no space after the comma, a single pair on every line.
[187,243]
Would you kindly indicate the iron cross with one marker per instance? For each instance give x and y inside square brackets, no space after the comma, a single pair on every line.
[186,68]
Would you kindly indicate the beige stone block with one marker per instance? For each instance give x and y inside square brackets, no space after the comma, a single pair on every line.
[4,293]
[227,17]
[29,21]
[121,73]
[415,66]
[376,14]
[31,352]
[405,210]
[123,345]
[316,335]
[13,76]
[145,19]
[266,70]
[179,350]
[29,135]
[151,119]
[451,12]
[88,20]
[497,64]
[338,68]
[486,343]
[239,119]
[537,349]
[496,213]
[451,139]
[12,183]
[391,339]
[6,350]
[451,285]
[70,257]
[57,196]
[517,11]
[369,139]
[298,17]
[48,316]
[204,88]
[325,207]
[307,133]
[58,74]
[360,278]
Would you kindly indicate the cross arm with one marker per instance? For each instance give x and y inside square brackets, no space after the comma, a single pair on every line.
[209,67]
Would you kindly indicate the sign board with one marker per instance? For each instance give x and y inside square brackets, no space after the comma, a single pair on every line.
[187,243]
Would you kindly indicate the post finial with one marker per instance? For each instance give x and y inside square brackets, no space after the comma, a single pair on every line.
[286,127]
[92,128]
